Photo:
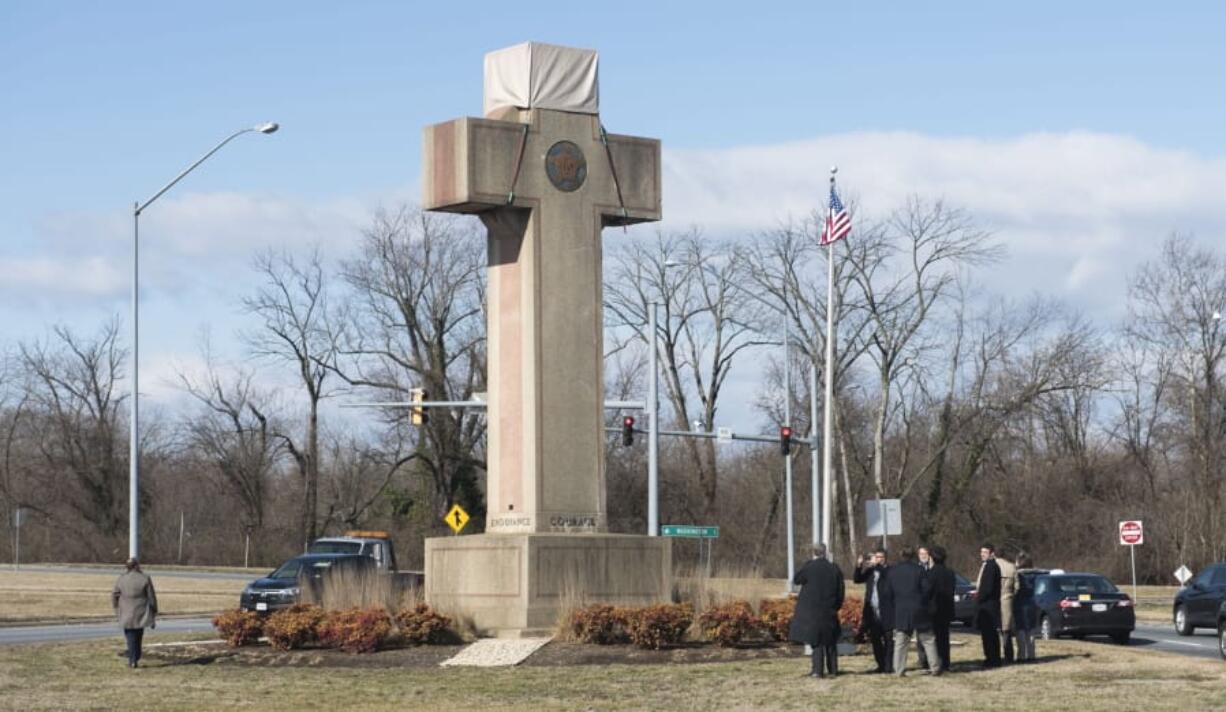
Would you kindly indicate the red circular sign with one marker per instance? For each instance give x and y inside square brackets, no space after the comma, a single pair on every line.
[1131,533]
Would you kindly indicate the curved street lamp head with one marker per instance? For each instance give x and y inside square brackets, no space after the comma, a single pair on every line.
[268,127]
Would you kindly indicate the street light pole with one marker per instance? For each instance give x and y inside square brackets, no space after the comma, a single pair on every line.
[134,429]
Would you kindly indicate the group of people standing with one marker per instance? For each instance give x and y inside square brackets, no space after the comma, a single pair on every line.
[1005,610]
[914,600]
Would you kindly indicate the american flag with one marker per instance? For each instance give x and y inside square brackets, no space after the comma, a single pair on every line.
[838,220]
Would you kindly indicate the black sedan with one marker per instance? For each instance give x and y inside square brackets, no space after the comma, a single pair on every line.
[1080,604]
[283,588]
[1221,630]
[964,600]
[1196,605]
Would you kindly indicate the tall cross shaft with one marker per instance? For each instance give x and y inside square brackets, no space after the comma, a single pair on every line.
[544,196]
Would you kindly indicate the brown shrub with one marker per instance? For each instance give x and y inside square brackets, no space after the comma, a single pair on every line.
[729,623]
[776,616]
[238,627]
[600,624]
[850,616]
[294,627]
[661,626]
[356,630]
[420,624]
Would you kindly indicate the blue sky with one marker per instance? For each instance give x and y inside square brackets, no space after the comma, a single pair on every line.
[1079,132]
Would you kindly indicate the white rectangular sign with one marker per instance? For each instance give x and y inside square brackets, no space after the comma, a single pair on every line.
[878,510]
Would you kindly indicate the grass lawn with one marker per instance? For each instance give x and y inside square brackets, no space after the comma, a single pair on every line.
[1154,603]
[31,596]
[1071,675]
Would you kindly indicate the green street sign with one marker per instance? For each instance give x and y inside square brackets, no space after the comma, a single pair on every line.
[689,530]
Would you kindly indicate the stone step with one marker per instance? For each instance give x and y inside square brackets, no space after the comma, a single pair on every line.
[496,652]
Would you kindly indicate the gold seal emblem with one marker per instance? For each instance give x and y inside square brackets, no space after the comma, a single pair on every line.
[565,166]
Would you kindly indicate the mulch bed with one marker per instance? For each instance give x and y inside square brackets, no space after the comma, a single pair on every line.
[555,654]
[560,653]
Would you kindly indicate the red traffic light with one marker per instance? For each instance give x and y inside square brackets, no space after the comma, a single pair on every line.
[785,440]
[628,431]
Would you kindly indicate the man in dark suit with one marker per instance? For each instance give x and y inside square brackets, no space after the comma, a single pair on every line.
[876,619]
[987,611]
[816,621]
[910,590]
[944,584]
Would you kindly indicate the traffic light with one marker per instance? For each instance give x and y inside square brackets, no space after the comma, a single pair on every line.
[419,415]
[628,430]
[785,440]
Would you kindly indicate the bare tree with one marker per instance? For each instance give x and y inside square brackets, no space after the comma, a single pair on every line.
[921,247]
[707,321]
[359,473]
[1145,375]
[1175,306]
[417,319]
[233,432]
[76,408]
[292,304]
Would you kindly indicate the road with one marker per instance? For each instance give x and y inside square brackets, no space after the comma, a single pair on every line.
[85,631]
[151,570]
[1163,637]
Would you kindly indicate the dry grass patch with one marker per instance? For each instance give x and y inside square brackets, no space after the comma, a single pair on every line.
[31,596]
[1072,675]
[692,585]
[1154,603]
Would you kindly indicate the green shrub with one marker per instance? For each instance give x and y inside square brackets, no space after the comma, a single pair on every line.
[662,626]
[294,627]
[421,624]
[775,615]
[238,627]
[357,630]
[600,624]
[728,624]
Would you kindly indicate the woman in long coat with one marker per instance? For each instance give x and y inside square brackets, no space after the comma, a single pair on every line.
[816,620]
[136,606]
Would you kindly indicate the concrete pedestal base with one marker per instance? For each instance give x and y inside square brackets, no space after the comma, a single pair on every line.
[516,584]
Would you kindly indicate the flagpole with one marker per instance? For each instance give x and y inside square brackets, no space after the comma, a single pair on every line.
[828,375]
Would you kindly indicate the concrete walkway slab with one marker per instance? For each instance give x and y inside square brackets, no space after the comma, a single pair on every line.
[496,652]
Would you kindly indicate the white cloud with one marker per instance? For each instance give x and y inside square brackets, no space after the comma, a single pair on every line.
[1077,210]
[90,276]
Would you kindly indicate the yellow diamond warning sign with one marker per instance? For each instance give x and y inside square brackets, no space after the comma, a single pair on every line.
[456,518]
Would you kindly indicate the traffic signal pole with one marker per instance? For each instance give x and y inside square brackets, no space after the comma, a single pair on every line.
[787,459]
[653,428]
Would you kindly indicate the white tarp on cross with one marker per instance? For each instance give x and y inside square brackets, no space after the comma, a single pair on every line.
[542,76]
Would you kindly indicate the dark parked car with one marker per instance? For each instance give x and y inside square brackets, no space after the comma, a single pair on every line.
[1221,630]
[1196,606]
[283,588]
[1080,604]
[964,600]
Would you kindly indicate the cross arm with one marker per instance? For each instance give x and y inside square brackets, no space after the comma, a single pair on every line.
[636,162]
[468,164]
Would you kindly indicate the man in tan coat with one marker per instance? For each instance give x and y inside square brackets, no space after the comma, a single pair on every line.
[1008,586]
[136,606]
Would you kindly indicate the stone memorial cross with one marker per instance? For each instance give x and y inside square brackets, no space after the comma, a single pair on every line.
[544,179]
